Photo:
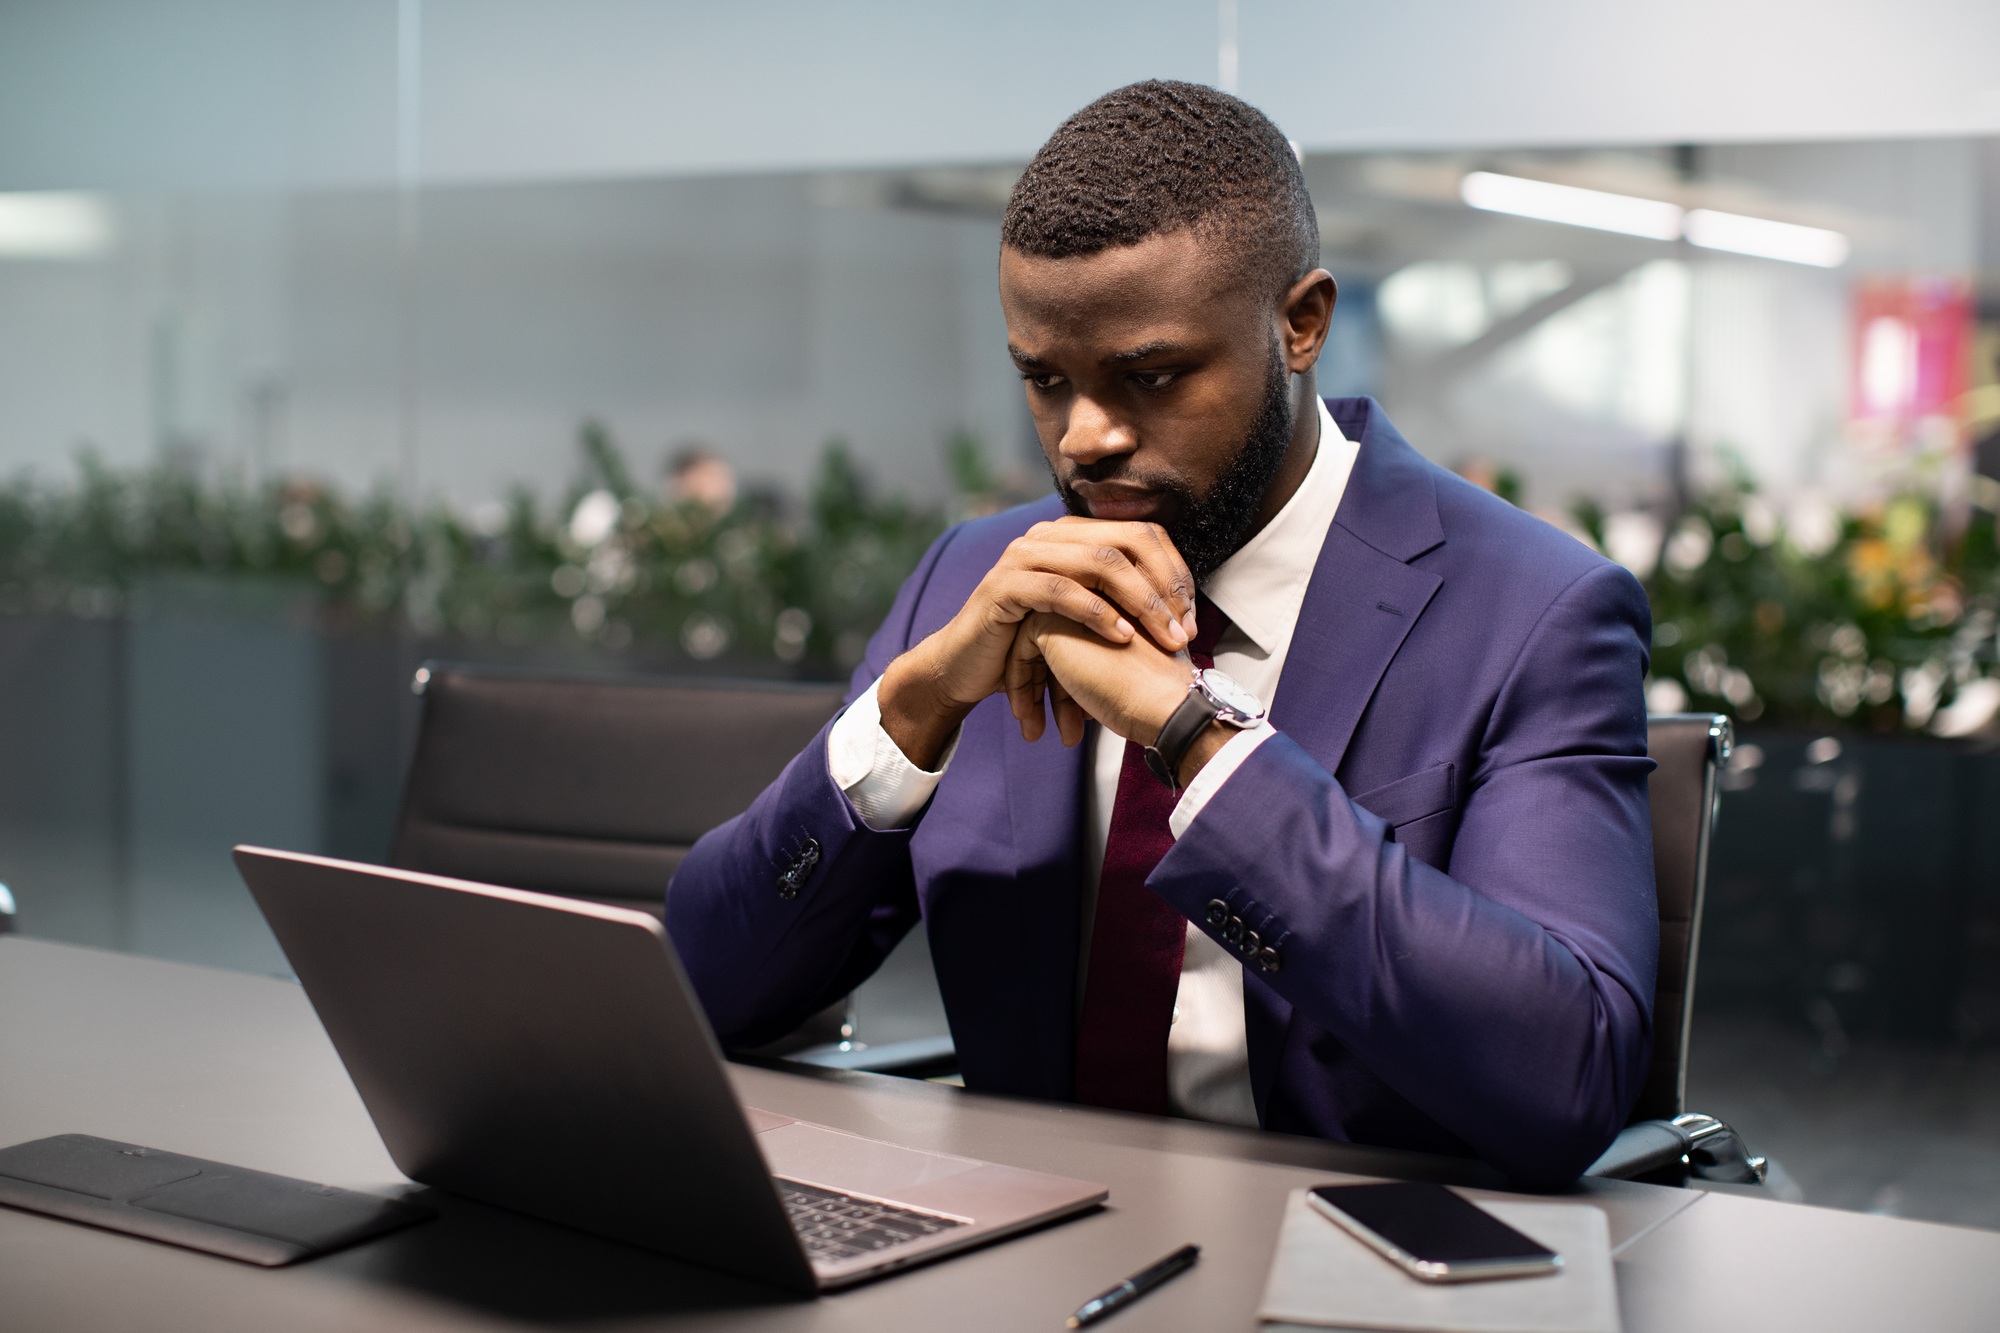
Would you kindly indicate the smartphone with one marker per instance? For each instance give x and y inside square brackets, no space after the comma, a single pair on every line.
[1432,1233]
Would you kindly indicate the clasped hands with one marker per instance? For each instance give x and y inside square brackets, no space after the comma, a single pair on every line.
[1090,614]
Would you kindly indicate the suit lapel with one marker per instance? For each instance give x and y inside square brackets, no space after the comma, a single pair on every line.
[1362,602]
[1364,597]
[1358,609]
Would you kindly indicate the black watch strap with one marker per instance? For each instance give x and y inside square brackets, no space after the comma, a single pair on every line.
[1192,718]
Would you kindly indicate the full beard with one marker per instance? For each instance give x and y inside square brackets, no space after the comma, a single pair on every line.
[1210,528]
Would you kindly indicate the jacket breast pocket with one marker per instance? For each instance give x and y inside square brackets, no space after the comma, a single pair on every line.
[1430,792]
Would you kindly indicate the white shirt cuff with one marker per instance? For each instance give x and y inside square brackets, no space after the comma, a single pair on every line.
[880,782]
[1214,773]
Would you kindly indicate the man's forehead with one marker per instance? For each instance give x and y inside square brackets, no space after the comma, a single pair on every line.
[1129,303]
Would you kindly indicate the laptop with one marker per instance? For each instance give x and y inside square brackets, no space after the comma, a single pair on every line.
[547,1055]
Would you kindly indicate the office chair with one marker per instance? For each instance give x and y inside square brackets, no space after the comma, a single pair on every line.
[1664,1143]
[594,788]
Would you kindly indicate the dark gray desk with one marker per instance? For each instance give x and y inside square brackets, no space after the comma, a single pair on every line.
[236,1068]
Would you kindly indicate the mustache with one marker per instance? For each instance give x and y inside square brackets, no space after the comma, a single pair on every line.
[1120,469]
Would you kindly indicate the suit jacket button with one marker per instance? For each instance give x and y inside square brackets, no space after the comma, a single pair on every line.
[799,870]
[1251,941]
[1268,961]
[1218,911]
[1233,932]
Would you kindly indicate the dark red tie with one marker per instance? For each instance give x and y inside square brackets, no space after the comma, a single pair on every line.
[1136,939]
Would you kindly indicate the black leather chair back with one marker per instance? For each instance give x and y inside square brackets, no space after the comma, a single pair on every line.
[1688,749]
[588,788]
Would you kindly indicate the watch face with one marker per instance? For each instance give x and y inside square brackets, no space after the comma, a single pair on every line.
[1232,693]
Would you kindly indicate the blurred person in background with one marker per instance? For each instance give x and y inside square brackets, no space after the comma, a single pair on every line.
[695,475]
[1344,829]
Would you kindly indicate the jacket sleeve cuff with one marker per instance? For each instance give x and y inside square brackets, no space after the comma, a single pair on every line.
[886,790]
[1213,774]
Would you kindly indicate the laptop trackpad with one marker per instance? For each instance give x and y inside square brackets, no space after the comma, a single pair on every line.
[821,1156]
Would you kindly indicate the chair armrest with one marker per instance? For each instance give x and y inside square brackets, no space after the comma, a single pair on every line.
[1692,1143]
[1642,1148]
[1717,1152]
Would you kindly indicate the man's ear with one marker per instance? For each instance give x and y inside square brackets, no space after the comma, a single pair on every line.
[1306,315]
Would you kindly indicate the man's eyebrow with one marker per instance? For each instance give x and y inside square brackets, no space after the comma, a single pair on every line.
[1023,359]
[1144,352]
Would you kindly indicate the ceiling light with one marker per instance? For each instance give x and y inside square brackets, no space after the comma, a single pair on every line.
[1766,239]
[1575,207]
[1655,219]
[53,226]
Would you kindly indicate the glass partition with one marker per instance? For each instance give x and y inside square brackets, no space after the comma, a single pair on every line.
[263,452]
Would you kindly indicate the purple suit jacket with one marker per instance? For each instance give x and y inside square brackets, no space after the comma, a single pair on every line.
[1449,845]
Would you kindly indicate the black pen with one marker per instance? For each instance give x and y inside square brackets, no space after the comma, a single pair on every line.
[1132,1288]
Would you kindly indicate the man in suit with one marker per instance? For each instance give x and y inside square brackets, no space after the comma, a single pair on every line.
[1410,903]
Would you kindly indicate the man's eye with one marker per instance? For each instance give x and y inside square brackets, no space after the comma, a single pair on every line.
[1155,379]
[1043,381]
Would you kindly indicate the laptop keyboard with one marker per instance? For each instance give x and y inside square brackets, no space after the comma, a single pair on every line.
[839,1226]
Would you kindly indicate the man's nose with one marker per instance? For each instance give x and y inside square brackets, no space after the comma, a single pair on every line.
[1092,433]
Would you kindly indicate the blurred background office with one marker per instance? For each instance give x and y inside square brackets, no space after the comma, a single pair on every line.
[616,336]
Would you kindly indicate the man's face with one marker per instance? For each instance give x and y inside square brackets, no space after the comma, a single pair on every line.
[1158,386]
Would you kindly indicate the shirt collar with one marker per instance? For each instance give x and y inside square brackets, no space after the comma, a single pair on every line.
[1263,585]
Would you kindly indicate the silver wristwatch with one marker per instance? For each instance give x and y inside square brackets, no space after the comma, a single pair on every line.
[1213,697]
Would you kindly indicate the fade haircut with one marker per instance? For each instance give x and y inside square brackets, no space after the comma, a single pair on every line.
[1159,156]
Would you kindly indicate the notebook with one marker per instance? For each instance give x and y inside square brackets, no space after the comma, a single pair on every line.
[1321,1277]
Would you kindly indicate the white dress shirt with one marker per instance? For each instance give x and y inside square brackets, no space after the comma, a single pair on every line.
[1260,589]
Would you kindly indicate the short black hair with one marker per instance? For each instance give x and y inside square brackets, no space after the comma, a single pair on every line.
[1158,156]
